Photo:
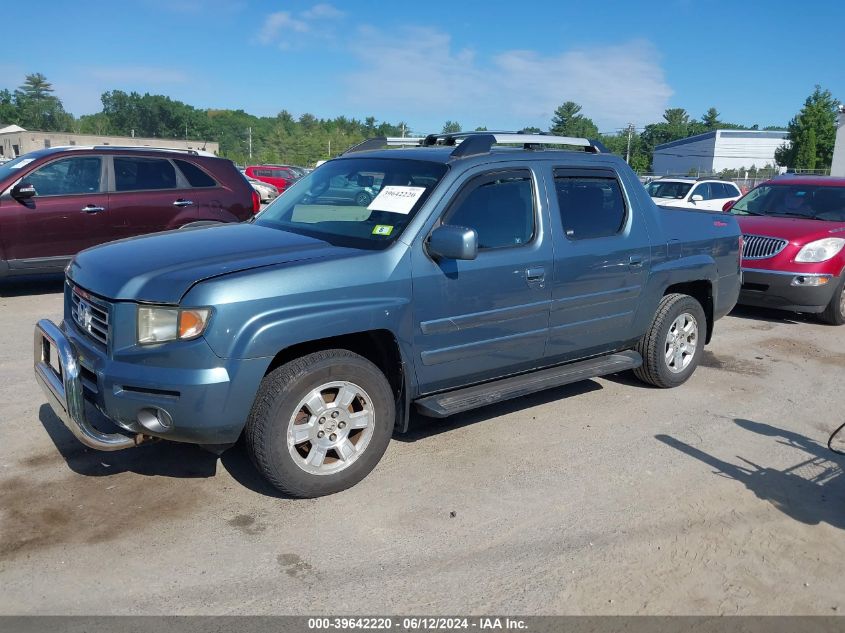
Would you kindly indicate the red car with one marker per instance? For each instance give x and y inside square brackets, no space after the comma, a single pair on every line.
[280,176]
[793,257]
[56,202]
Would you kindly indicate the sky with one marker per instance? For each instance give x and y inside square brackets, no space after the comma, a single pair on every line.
[503,65]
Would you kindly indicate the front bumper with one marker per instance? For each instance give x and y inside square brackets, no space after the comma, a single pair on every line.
[64,390]
[786,290]
[206,403]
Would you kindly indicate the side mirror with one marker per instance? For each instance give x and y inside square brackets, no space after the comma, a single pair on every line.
[697,198]
[23,191]
[453,242]
[728,205]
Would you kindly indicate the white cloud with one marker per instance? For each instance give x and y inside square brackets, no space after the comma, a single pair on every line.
[417,73]
[323,11]
[278,26]
[276,23]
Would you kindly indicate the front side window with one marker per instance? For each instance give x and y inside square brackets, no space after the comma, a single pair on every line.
[590,207]
[143,174]
[364,216]
[702,190]
[67,176]
[500,207]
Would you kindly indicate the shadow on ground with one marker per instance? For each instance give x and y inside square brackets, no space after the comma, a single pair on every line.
[811,491]
[771,315]
[32,285]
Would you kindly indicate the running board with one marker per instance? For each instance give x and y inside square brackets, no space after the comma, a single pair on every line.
[445,404]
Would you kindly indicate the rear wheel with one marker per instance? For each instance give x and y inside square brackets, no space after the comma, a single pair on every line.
[834,313]
[363,199]
[320,423]
[673,345]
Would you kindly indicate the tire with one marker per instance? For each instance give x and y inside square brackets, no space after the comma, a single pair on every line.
[834,313]
[660,339]
[282,429]
[363,199]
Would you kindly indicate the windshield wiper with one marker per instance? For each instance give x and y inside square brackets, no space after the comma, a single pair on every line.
[787,214]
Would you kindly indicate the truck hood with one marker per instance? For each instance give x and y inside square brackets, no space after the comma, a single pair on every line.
[797,230]
[162,268]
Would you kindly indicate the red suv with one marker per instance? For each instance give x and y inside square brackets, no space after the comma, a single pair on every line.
[280,176]
[794,233]
[56,202]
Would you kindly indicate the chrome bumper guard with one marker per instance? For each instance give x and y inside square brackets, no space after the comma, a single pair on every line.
[63,388]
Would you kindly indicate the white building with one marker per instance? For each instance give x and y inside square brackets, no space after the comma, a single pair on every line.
[838,166]
[712,152]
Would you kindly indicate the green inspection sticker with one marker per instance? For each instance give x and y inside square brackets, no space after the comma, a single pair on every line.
[383,229]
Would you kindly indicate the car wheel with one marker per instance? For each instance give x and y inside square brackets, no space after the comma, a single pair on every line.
[673,345]
[834,313]
[320,423]
[363,199]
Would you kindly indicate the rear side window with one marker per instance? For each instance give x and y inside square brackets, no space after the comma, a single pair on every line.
[702,190]
[195,176]
[67,176]
[143,174]
[590,206]
[500,207]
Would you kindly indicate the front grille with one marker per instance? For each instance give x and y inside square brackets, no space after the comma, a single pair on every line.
[761,247]
[90,314]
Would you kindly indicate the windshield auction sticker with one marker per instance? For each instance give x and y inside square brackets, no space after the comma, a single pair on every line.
[396,199]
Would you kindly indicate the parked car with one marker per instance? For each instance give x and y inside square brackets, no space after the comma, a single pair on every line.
[793,258]
[705,194]
[478,273]
[56,202]
[279,176]
[266,192]
[356,188]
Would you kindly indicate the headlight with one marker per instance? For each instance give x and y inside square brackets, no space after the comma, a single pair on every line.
[156,325]
[820,250]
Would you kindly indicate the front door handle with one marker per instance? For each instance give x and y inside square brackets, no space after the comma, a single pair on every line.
[181,202]
[535,275]
[635,261]
[91,208]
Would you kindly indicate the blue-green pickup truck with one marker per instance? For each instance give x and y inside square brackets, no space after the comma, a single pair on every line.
[488,266]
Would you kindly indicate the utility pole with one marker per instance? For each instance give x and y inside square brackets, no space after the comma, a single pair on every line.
[403,130]
[330,148]
[249,129]
[630,135]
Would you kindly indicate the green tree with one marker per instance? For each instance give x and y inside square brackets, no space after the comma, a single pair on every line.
[8,109]
[568,121]
[451,127]
[811,134]
[710,119]
[38,108]
[531,130]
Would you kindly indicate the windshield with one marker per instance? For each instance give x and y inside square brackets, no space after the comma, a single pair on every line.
[663,189]
[14,166]
[359,202]
[814,202]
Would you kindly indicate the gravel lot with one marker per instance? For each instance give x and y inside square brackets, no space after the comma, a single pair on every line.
[605,497]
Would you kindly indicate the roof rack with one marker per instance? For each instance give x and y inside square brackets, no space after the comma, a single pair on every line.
[380,142]
[476,143]
[149,147]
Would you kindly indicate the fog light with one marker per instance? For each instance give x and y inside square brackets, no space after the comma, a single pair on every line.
[810,280]
[155,419]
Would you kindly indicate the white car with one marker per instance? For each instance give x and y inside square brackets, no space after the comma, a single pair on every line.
[266,192]
[693,193]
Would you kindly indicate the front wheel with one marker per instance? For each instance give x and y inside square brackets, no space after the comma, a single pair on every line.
[320,423]
[363,199]
[673,345]
[834,313]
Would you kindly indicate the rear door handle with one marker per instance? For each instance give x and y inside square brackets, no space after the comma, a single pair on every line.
[183,203]
[91,208]
[635,261]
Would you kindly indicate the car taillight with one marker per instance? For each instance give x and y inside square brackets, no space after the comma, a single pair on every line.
[256,202]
